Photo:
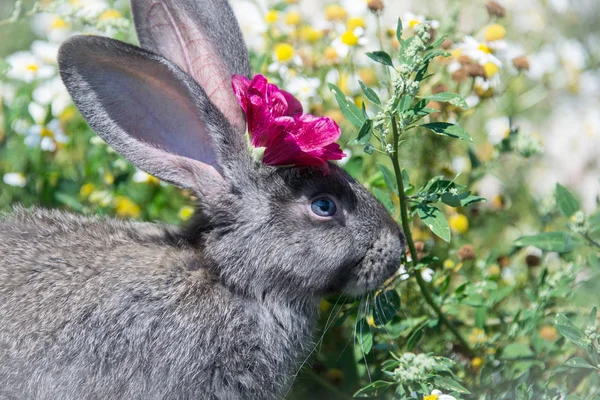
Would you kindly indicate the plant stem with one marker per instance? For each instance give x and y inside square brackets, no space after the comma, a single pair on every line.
[590,240]
[411,244]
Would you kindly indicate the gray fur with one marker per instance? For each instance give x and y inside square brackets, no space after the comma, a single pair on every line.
[223,308]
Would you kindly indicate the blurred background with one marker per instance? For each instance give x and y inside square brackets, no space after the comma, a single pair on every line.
[528,69]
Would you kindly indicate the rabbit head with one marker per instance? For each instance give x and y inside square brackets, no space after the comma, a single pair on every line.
[169,108]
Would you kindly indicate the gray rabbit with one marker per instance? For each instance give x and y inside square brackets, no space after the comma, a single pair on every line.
[224,308]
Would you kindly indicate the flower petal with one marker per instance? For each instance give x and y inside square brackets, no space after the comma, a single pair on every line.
[315,132]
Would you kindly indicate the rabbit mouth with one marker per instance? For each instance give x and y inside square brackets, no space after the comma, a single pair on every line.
[379,262]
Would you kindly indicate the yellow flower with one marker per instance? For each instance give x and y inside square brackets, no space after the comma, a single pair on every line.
[293,18]
[476,362]
[484,48]
[368,76]
[355,22]
[110,14]
[459,223]
[284,51]
[494,270]
[185,213]
[494,32]
[335,115]
[449,264]
[109,179]
[548,333]
[477,336]
[310,34]
[58,23]
[490,69]
[125,207]
[349,38]
[431,397]
[335,12]
[272,16]
[86,190]
[330,55]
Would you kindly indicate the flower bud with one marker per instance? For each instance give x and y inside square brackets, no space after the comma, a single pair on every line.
[521,63]
[376,6]
[495,10]
[466,252]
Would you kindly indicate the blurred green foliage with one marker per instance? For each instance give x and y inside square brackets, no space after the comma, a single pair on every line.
[495,301]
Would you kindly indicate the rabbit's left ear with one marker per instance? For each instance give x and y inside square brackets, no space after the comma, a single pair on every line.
[203,38]
[152,113]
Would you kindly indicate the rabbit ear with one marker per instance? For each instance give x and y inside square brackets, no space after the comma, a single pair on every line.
[151,112]
[203,38]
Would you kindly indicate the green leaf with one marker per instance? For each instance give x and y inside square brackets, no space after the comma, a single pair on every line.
[364,336]
[574,335]
[381,57]
[404,104]
[448,129]
[385,307]
[408,187]
[370,93]
[435,220]
[561,242]
[567,203]
[471,199]
[453,200]
[369,149]
[480,317]
[350,110]
[438,42]
[415,337]
[425,262]
[435,53]
[449,97]
[578,362]
[364,134]
[388,176]
[592,319]
[516,350]
[384,198]
[594,260]
[399,30]
[374,389]
[449,384]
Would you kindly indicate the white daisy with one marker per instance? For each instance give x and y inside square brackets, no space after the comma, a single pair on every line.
[497,129]
[46,136]
[412,20]
[45,51]
[477,51]
[16,179]
[51,26]
[303,88]
[27,67]
[53,93]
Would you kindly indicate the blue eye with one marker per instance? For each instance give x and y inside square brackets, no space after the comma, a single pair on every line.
[323,207]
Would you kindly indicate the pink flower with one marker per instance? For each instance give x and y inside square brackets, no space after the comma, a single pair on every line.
[276,122]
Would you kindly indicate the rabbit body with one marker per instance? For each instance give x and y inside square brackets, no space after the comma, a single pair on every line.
[101,308]
[93,308]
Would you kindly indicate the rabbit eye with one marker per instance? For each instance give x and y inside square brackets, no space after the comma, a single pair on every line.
[323,207]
